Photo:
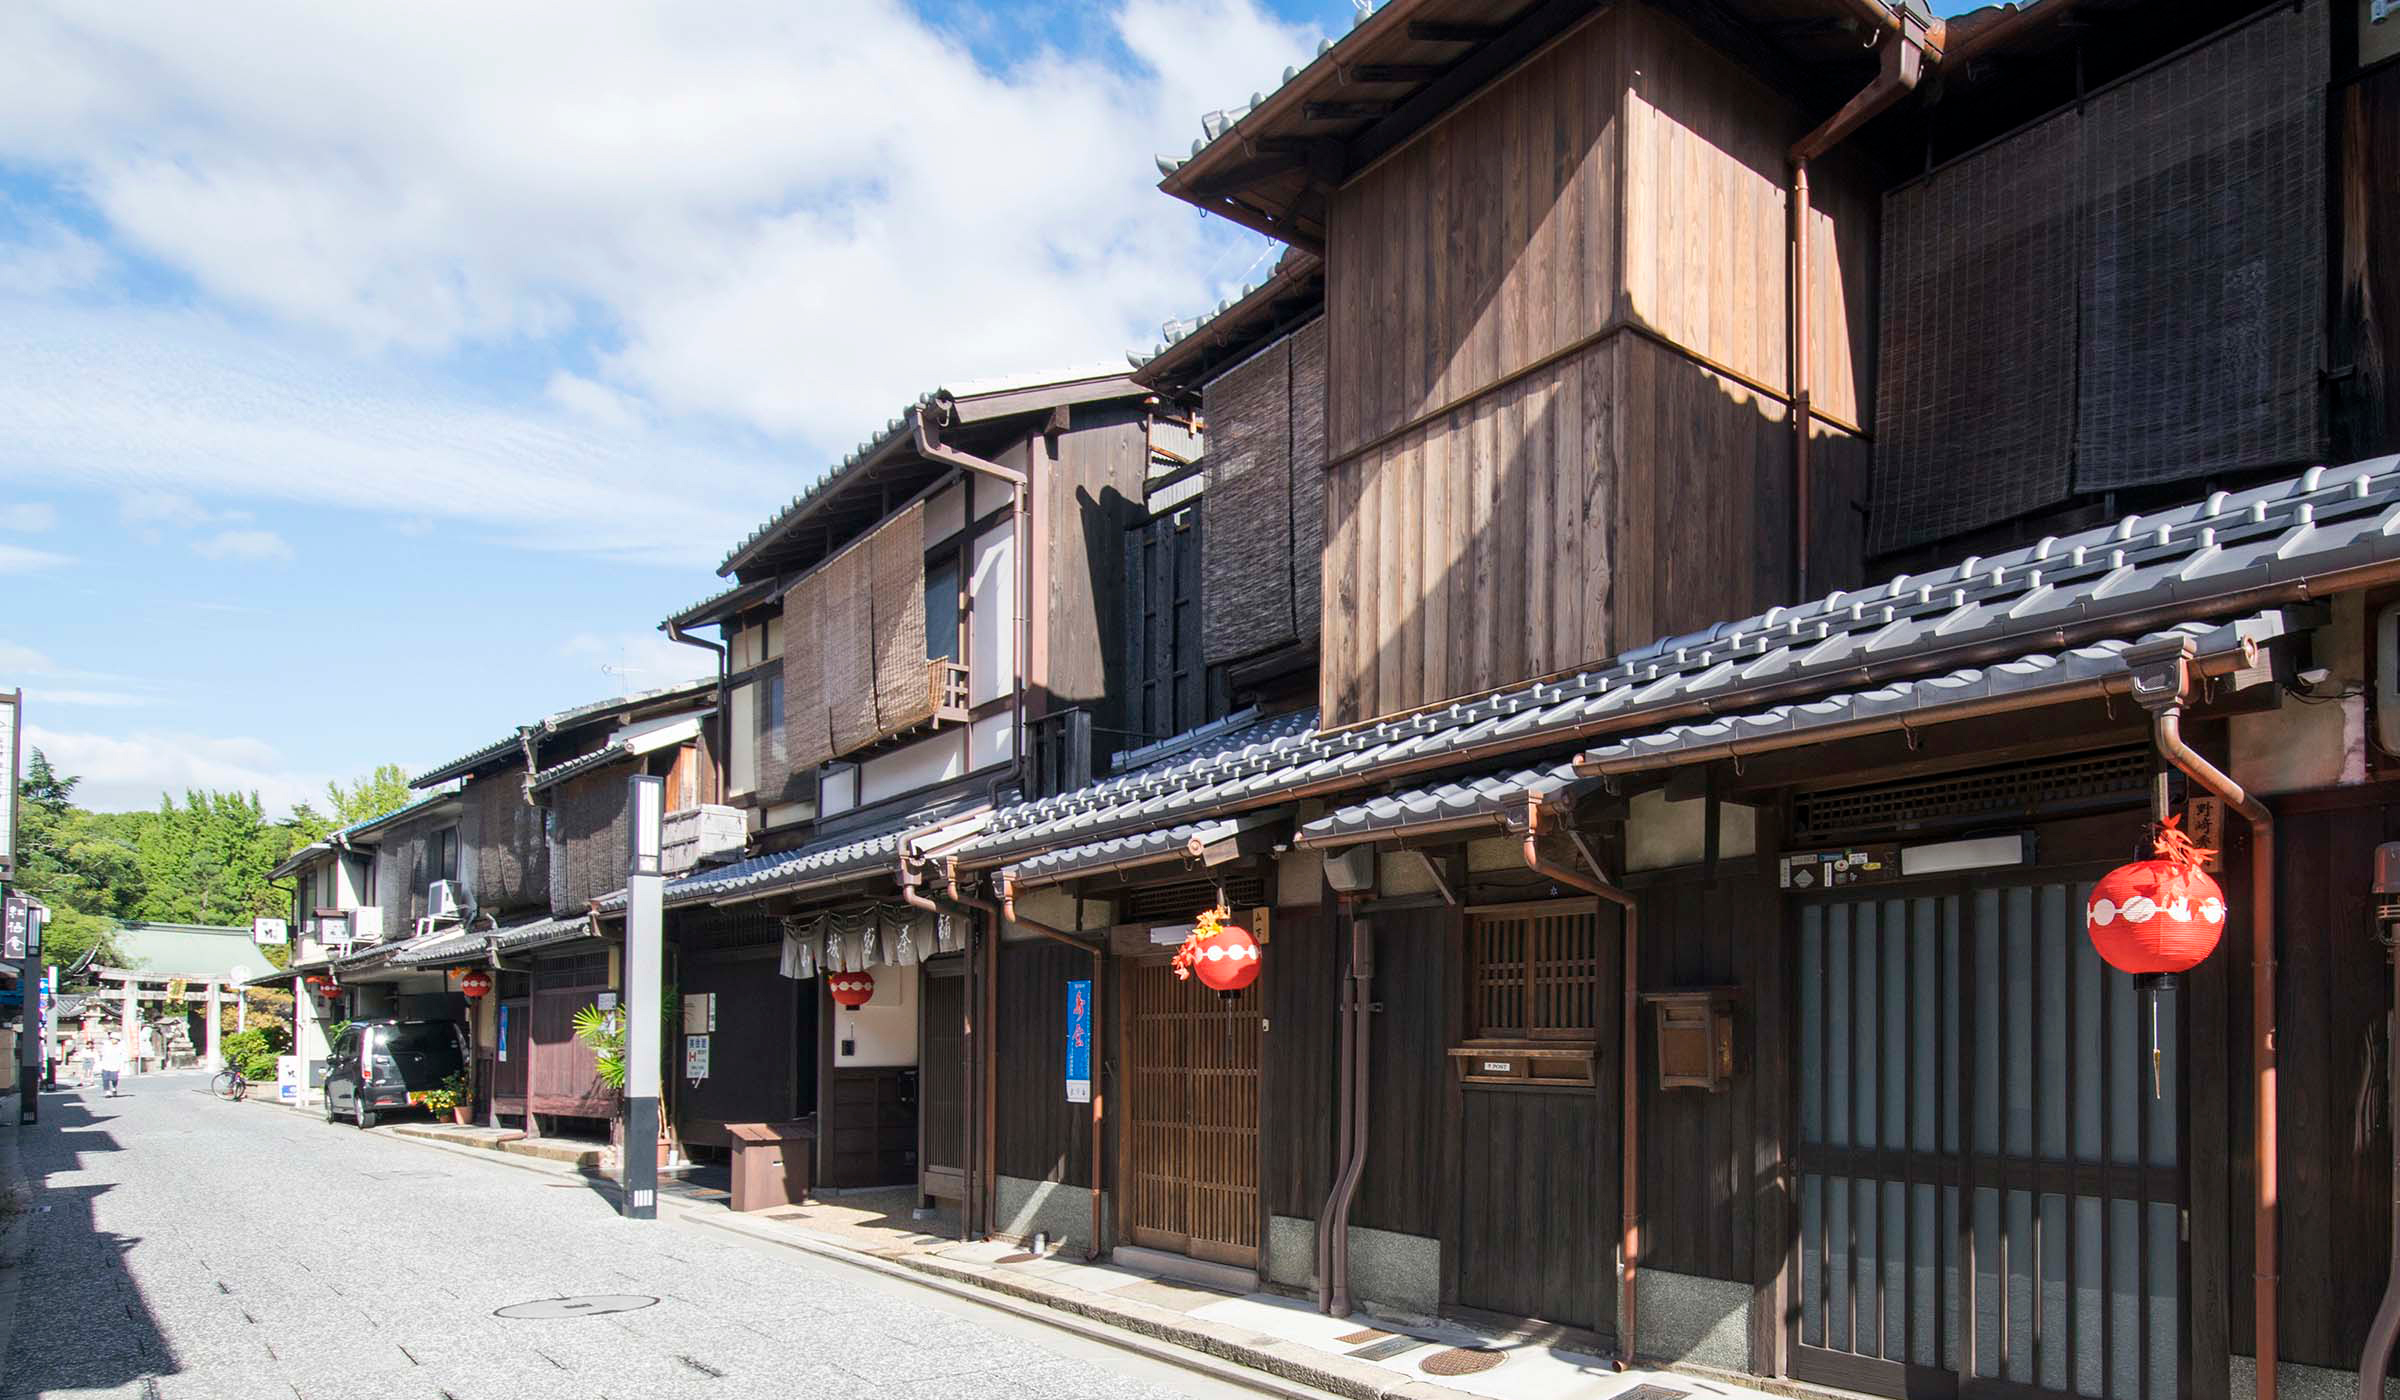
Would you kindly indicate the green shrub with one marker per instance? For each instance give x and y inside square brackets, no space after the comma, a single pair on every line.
[253,1052]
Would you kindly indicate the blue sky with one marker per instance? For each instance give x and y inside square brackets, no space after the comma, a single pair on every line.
[364,394]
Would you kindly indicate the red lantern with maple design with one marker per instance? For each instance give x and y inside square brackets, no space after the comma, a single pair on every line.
[1224,955]
[477,983]
[851,990]
[2158,916]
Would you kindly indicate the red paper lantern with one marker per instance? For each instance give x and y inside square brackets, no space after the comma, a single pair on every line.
[2162,915]
[476,983]
[1224,955]
[851,990]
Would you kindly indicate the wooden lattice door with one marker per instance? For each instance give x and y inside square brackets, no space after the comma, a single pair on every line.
[1194,1116]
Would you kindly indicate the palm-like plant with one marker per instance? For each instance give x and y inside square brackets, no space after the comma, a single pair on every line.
[604,1031]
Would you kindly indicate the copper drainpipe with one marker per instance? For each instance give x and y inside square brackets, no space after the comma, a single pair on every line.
[1358,1010]
[1099,951]
[1906,47]
[1629,1171]
[2161,678]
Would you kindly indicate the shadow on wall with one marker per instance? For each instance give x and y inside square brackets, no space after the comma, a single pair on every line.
[82,1324]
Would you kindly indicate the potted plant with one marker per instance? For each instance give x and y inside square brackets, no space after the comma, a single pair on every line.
[604,1032]
[451,1098]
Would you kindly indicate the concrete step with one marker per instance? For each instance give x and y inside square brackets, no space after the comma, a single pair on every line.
[1224,1278]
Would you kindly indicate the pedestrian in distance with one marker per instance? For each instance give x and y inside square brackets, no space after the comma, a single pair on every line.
[112,1064]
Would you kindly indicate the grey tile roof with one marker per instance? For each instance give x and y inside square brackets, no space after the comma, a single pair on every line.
[721,604]
[2229,553]
[562,720]
[1118,852]
[1496,795]
[1292,271]
[442,947]
[541,933]
[1921,700]
[824,862]
[1216,125]
[601,757]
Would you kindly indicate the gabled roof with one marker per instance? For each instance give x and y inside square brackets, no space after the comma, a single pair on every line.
[559,723]
[724,604]
[1264,163]
[678,731]
[964,402]
[2223,557]
[823,863]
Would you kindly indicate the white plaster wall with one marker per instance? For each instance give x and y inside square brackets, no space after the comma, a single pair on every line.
[992,740]
[1660,835]
[2302,744]
[945,515]
[838,792]
[884,1031]
[992,637]
[931,760]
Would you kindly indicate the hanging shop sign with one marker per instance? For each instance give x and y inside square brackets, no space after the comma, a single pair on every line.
[504,1032]
[1224,955]
[1079,1041]
[264,931]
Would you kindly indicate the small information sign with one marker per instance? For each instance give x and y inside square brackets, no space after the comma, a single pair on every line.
[1079,1041]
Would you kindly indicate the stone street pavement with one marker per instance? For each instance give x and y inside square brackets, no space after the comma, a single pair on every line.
[182,1247]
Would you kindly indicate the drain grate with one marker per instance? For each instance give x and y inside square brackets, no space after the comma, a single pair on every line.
[1388,1348]
[1371,1334]
[1653,1392]
[1461,1361]
[553,1309]
[1020,1257]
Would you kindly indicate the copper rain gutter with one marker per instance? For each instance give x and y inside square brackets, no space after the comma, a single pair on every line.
[2162,675]
[1629,1173]
[1099,951]
[1906,47]
[1357,1012]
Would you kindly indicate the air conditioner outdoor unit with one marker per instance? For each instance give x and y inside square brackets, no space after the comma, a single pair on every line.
[442,900]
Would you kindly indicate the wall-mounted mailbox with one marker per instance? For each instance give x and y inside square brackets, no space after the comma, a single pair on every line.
[1695,1038]
[1546,1066]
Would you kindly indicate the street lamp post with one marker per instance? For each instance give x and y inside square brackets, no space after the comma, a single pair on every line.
[645,959]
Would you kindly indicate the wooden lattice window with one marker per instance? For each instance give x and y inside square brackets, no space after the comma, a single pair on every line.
[1534,972]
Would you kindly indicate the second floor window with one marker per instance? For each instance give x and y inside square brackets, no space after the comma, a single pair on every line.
[441,855]
[942,611]
[741,738]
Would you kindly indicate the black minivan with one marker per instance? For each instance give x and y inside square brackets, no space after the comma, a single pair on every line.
[376,1065]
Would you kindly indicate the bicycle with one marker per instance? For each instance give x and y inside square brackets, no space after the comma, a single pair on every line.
[231,1085]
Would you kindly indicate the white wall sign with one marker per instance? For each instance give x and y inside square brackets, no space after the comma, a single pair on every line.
[270,931]
[695,1058]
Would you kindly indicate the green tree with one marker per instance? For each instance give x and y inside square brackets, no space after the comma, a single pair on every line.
[384,790]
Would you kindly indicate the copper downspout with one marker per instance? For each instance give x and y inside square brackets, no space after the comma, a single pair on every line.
[1629,1171]
[1099,951]
[2375,1365]
[2162,674]
[716,767]
[1905,48]
[1343,1085]
[1358,1008]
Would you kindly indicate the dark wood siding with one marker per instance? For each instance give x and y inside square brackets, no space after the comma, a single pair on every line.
[1416,968]
[589,826]
[1538,1206]
[1166,673]
[1265,468]
[2334,991]
[1042,1137]
[762,1054]
[941,1113]
[2367,284]
[1302,982]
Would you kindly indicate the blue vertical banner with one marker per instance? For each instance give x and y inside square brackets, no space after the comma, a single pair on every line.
[1079,1041]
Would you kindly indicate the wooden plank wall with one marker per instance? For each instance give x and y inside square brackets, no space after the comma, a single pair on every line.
[510,849]
[1702,1181]
[1581,454]
[1266,468]
[2367,279]
[1042,1137]
[1302,981]
[2334,989]
[1416,968]
[1090,495]
[1481,247]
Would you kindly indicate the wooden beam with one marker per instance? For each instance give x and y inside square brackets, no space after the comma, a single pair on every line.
[1434,31]
[1344,111]
[1273,228]
[1396,72]
[1502,50]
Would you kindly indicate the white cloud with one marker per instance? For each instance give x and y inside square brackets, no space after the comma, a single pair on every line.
[90,699]
[32,516]
[170,508]
[253,546]
[789,217]
[50,259]
[129,772]
[16,559]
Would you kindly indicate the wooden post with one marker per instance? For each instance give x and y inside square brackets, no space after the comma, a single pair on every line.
[213,1040]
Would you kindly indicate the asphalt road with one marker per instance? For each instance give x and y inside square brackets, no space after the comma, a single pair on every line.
[182,1247]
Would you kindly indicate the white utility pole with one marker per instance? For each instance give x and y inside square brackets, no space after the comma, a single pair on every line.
[645,963]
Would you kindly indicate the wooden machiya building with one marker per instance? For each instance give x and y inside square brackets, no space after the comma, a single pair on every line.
[1728,686]
[935,624]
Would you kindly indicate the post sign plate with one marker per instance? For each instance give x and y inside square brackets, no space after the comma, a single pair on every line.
[695,1058]
[1079,1041]
[16,924]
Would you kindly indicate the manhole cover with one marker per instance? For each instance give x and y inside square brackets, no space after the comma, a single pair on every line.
[1460,1361]
[599,1304]
[1386,1349]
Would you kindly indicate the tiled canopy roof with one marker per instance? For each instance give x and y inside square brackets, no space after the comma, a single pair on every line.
[2230,553]
[1119,852]
[551,724]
